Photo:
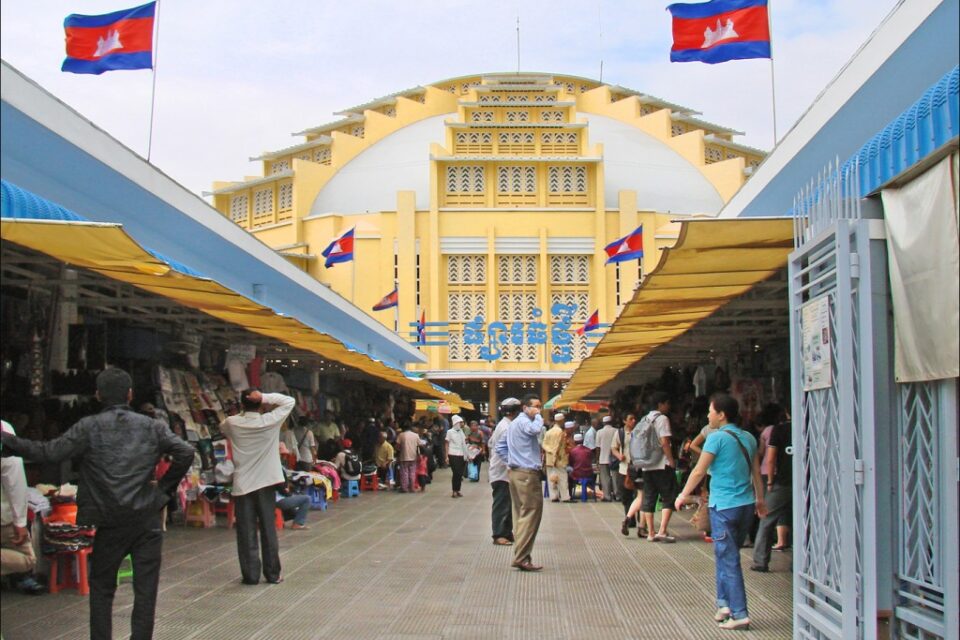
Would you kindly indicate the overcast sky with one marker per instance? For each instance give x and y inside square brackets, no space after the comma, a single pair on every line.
[235,78]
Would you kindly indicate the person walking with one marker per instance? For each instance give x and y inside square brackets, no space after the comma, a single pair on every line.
[779,498]
[620,451]
[118,493]
[606,462]
[736,492]
[501,511]
[521,449]
[659,472]
[555,459]
[455,454]
[253,436]
[408,446]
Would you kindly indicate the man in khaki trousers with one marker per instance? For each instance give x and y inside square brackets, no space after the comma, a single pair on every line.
[521,450]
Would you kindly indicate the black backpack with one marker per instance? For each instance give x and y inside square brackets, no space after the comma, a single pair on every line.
[351,463]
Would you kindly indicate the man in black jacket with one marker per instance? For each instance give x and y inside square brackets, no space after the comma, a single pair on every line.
[118,493]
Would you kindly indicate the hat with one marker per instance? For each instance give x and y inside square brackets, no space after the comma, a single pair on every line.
[558,417]
[569,424]
[347,443]
[510,402]
[371,419]
[457,420]
[607,419]
[578,437]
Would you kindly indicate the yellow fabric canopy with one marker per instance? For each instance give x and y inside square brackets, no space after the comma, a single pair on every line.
[108,250]
[713,262]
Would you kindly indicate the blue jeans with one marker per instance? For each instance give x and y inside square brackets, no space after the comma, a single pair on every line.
[729,528]
[297,504]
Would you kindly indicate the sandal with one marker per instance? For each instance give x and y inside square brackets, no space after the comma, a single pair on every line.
[779,548]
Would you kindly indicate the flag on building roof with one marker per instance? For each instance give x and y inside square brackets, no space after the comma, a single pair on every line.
[340,250]
[388,301]
[592,323]
[119,40]
[720,30]
[629,247]
[422,328]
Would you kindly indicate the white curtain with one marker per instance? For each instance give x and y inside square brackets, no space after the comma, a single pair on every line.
[924,257]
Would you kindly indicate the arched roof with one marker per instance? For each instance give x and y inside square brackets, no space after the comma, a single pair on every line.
[633,160]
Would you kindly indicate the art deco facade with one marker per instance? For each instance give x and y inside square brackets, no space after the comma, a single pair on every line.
[488,200]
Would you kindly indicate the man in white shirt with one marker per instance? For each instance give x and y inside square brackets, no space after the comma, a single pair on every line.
[659,477]
[254,438]
[604,441]
[501,513]
[300,441]
[16,551]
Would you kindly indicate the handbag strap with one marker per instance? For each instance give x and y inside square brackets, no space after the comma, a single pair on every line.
[743,450]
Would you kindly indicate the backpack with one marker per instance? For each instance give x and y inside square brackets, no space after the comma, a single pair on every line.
[351,463]
[645,447]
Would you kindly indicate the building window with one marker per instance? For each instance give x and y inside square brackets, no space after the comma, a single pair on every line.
[285,198]
[559,143]
[322,155]
[489,98]
[465,306]
[238,209]
[516,307]
[570,269]
[551,115]
[465,179]
[677,129]
[712,154]
[521,115]
[474,142]
[517,179]
[262,204]
[517,269]
[279,166]
[457,351]
[567,185]
[358,131]
[481,116]
[467,269]
[579,298]
[516,142]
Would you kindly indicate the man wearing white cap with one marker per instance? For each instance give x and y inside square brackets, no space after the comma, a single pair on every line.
[499,480]
[604,441]
[455,454]
[555,460]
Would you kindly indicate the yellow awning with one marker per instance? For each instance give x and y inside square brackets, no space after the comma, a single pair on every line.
[108,250]
[713,262]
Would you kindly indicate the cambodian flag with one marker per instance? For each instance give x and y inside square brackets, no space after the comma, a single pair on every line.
[340,250]
[592,323]
[118,40]
[629,247]
[720,30]
[389,300]
[422,328]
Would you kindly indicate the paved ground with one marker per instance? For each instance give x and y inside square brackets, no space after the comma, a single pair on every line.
[389,566]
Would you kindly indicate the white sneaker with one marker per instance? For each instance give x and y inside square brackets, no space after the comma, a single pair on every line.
[722,614]
[732,624]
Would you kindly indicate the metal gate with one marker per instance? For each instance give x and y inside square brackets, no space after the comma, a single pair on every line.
[875,463]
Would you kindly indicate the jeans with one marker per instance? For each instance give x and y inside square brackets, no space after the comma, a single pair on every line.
[143,540]
[729,529]
[296,507]
[457,466]
[501,513]
[255,515]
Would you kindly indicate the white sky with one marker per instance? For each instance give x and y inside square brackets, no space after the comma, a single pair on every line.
[235,78]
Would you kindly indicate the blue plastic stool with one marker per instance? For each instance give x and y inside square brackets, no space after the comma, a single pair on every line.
[546,488]
[349,489]
[584,484]
[318,498]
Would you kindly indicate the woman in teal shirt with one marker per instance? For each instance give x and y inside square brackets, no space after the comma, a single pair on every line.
[736,491]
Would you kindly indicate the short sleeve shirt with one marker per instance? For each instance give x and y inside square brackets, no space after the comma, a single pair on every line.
[731,482]
[604,441]
[781,439]
[662,424]
[457,444]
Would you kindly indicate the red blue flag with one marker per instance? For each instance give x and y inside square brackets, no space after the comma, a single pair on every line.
[389,300]
[118,40]
[629,247]
[340,250]
[422,328]
[592,323]
[720,30]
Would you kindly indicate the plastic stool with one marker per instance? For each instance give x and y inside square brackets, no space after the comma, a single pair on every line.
[584,484]
[200,512]
[226,509]
[369,482]
[318,497]
[350,489]
[125,570]
[64,580]
[278,518]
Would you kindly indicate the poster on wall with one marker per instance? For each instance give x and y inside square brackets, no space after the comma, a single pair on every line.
[815,344]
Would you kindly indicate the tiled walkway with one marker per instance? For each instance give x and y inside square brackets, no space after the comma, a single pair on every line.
[390,566]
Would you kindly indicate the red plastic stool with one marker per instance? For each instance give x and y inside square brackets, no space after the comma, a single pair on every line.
[226,509]
[369,482]
[65,580]
[278,518]
[200,512]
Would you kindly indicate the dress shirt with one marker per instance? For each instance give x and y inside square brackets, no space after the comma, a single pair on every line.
[254,438]
[521,447]
[456,443]
[555,447]
[590,439]
[497,471]
[13,488]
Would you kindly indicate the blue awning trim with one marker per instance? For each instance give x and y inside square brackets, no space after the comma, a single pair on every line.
[19,204]
[930,123]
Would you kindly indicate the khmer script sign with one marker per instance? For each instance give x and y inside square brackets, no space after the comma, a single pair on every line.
[494,336]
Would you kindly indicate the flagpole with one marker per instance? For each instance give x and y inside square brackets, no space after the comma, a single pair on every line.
[153,91]
[396,307]
[773,85]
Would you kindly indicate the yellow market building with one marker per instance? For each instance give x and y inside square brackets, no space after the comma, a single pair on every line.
[488,201]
